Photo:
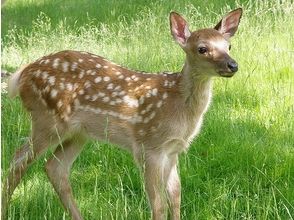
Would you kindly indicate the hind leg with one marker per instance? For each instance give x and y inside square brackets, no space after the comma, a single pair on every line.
[58,171]
[42,138]
[18,166]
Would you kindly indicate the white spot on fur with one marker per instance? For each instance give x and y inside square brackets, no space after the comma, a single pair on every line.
[47,89]
[69,86]
[106,78]
[87,84]
[131,102]
[55,63]
[98,79]
[114,94]
[74,66]
[65,66]
[44,75]
[106,99]
[94,97]
[98,66]
[118,101]
[81,74]
[80,60]
[51,80]
[68,109]
[76,85]
[112,102]
[166,83]
[101,94]
[141,100]
[81,92]
[38,73]
[154,91]
[148,94]
[61,86]
[152,115]
[110,86]
[121,93]
[149,107]
[165,95]
[117,88]
[59,104]
[53,93]
[159,104]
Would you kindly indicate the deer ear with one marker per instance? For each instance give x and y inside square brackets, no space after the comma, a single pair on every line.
[229,24]
[179,28]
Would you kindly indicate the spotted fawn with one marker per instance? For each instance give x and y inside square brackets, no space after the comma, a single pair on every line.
[76,96]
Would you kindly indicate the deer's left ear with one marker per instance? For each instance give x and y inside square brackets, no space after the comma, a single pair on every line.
[179,28]
[229,24]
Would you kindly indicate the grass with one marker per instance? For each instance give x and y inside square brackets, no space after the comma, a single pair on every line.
[241,166]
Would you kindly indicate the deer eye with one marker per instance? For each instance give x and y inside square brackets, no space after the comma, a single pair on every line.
[230,46]
[202,50]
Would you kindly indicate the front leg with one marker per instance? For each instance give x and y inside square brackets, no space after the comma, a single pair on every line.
[174,193]
[163,185]
[155,186]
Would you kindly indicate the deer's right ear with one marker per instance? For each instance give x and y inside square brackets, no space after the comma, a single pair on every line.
[179,28]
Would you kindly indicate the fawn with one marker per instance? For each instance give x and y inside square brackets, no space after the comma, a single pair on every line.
[73,96]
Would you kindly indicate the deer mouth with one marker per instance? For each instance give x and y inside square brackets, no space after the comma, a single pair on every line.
[226,74]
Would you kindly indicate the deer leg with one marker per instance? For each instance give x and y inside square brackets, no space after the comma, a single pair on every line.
[173,188]
[22,159]
[154,186]
[157,173]
[18,166]
[58,171]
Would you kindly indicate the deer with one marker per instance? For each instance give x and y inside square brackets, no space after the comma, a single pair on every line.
[74,96]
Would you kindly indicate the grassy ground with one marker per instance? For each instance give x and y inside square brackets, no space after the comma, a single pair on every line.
[242,164]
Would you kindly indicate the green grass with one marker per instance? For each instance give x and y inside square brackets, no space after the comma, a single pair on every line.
[242,164]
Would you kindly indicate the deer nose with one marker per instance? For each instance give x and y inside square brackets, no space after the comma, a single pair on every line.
[233,66]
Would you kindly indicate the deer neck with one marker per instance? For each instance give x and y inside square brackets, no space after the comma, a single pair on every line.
[195,88]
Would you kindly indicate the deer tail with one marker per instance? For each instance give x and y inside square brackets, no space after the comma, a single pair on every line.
[13,82]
